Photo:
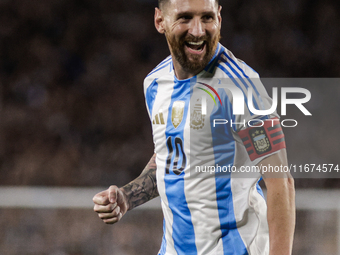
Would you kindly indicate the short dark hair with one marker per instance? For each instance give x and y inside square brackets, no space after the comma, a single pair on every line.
[161,3]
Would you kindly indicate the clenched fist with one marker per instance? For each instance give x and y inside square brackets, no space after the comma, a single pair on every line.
[110,204]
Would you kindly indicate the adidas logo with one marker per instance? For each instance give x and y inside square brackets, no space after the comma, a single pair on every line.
[158,119]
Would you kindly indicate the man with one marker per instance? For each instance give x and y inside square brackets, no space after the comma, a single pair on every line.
[207,213]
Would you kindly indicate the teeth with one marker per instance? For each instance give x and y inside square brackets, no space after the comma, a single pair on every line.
[196,43]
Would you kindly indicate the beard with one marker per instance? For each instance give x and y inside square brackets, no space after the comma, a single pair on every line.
[196,63]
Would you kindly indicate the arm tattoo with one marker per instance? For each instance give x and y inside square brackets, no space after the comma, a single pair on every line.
[144,187]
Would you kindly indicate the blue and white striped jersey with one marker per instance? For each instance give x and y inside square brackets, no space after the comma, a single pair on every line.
[204,212]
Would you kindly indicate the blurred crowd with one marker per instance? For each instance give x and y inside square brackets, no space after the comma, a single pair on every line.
[72,109]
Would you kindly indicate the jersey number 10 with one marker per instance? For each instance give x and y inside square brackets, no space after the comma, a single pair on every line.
[179,155]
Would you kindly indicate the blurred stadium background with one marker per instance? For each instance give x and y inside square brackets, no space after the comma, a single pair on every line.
[73,119]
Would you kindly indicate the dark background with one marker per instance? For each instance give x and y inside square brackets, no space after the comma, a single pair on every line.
[72,110]
[71,100]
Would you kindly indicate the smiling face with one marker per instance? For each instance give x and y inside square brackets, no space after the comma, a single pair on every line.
[192,29]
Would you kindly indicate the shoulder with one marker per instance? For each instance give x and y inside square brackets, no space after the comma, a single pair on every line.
[239,81]
[233,67]
[162,69]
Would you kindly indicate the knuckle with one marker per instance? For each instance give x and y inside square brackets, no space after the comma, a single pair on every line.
[111,221]
[113,207]
[107,215]
[95,208]
[112,187]
[120,216]
[99,200]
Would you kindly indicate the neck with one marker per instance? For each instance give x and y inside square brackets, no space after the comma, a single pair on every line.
[181,73]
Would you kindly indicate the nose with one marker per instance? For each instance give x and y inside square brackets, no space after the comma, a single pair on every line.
[196,27]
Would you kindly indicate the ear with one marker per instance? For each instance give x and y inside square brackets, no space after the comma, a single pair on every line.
[159,21]
[219,15]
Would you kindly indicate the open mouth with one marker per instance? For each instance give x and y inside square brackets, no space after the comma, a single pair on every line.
[196,46]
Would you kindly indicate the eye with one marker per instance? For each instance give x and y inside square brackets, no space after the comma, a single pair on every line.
[185,17]
[208,18]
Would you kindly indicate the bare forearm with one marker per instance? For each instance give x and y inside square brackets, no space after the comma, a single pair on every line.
[281,205]
[281,215]
[144,187]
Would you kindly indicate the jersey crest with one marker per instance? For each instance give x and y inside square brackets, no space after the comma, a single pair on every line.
[196,116]
[177,113]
